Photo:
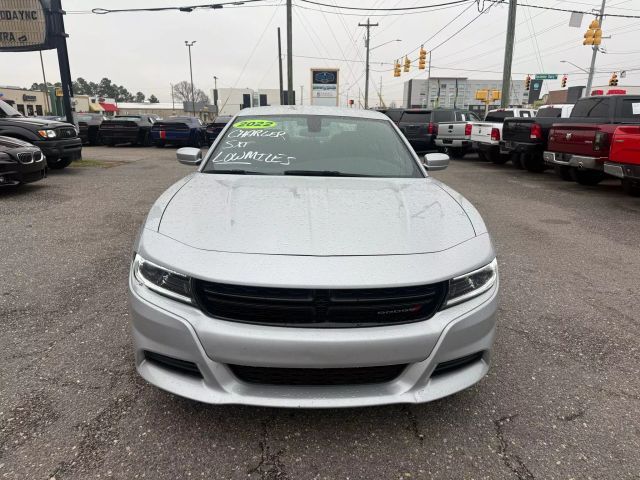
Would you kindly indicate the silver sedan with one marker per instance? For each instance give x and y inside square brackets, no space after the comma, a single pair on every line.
[311,261]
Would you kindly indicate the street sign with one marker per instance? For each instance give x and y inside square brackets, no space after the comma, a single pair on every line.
[546,76]
[26,25]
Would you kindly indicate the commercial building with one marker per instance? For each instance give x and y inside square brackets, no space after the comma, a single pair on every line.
[232,100]
[27,102]
[449,92]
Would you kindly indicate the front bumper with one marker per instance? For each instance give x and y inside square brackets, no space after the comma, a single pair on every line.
[457,143]
[66,148]
[183,332]
[576,161]
[15,173]
[508,147]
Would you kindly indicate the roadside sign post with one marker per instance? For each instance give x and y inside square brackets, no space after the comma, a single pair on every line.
[36,25]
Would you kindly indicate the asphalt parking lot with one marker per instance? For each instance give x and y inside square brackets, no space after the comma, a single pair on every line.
[562,400]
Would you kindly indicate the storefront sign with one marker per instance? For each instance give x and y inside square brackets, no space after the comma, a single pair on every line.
[25,25]
[29,98]
[324,87]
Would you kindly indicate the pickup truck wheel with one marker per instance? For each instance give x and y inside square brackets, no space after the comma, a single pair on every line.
[631,187]
[563,172]
[533,163]
[483,156]
[454,152]
[498,158]
[587,177]
[516,161]
[59,164]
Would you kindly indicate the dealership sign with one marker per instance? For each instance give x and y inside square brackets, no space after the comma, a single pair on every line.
[324,86]
[25,25]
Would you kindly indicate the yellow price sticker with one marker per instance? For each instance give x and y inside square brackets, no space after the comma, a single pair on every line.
[255,124]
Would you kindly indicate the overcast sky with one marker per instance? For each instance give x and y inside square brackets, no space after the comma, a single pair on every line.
[146,52]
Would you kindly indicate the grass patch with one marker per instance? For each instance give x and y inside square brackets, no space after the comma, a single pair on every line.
[91,163]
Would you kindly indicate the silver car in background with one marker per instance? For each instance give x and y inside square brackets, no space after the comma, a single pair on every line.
[311,261]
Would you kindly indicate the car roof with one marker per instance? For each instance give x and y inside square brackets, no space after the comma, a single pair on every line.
[312,110]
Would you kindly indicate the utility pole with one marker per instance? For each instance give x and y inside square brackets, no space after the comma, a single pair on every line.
[429,81]
[301,94]
[193,99]
[280,68]
[215,93]
[46,89]
[368,25]
[63,59]
[508,54]
[594,54]
[289,56]
[173,104]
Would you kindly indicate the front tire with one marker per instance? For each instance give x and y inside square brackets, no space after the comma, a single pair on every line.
[59,163]
[587,177]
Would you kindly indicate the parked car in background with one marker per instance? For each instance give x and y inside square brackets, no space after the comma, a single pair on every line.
[89,127]
[132,129]
[525,138]
[580,149]
[312,261]
[214,128]
[182,131]
[486,135]
[454,137]
[624,158]
[393,113]
[20,162]
[420,125]
[59,141]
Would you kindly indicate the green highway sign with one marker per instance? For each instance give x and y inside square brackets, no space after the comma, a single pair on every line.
[546,76]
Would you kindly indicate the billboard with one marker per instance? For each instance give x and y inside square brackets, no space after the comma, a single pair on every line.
[325,86]
[26,25]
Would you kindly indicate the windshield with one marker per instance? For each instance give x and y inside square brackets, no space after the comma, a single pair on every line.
[313,145]
[7,110]
[549,112]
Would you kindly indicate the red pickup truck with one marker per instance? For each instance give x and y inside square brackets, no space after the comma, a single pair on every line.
[624,158]
[580,150]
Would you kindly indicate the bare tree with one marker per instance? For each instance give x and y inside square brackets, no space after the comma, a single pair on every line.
[182,92]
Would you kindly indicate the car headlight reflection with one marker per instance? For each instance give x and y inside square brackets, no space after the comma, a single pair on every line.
[472,284]
[161,280]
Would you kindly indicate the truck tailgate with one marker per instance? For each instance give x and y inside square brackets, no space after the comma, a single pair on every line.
[517,129]
[573,138]
[625,147]
[481,132]
[452,131]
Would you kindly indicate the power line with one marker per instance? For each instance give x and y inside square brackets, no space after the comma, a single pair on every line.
[183,8]
[391,9]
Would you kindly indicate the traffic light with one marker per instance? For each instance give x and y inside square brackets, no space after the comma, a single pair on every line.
[422,60]
[527,82]
[482,95]
[593,36]
[613,81]
[396,68]
[407,64]
[564,81]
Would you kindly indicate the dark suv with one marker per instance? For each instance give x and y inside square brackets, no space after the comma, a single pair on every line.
[58,141]
[420,125]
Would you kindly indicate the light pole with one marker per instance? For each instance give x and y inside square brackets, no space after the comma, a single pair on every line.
[193,100]
[594,54]
[571,63]
[215,93]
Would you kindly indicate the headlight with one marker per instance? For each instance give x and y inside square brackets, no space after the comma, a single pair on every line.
[472,284]
[47,133]
[161,280]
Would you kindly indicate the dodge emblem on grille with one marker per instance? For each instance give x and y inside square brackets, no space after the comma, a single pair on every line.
[568,136]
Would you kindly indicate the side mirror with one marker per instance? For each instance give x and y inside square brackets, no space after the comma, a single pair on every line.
[189,155]
[436,161]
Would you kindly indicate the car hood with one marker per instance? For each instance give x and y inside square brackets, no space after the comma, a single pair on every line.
[319,216]
[35,122]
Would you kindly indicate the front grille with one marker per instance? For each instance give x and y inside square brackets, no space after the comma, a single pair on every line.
[25,157]
[317,376]
[319,308]
[37,156]
[65,132]
[175,364]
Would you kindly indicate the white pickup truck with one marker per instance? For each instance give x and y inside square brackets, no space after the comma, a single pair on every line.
[485,136]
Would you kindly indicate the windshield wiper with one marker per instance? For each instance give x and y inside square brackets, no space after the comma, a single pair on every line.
[237,172]
[323,173]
